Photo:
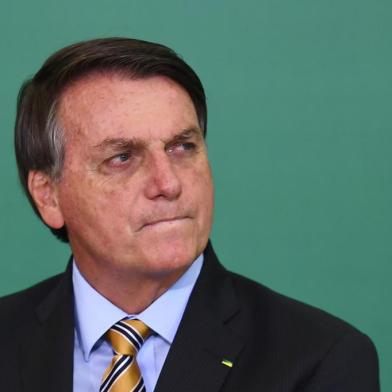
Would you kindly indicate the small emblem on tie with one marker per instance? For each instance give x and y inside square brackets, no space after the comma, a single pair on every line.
[123,374]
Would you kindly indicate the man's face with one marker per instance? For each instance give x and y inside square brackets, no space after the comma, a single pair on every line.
[136,192]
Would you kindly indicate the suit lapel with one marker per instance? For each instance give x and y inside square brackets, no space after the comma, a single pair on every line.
[194,363]
[204,338]
[46,350]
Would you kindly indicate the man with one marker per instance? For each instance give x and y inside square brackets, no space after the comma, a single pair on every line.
[110,147]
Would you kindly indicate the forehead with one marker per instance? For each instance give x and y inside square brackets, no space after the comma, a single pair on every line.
[101,106]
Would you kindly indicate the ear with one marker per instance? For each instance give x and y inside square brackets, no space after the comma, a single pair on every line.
[43,191]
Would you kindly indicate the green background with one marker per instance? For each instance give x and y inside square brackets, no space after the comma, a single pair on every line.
[300,137]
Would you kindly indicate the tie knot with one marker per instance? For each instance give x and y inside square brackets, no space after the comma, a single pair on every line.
[127,336]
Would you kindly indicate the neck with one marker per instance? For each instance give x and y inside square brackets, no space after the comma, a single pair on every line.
[130,291]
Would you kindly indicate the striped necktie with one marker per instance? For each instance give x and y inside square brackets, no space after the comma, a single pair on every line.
[123,374]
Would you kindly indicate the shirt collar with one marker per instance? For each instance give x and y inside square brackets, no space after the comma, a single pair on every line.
[95,314]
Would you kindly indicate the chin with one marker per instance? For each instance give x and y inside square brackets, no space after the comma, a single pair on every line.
[171,255]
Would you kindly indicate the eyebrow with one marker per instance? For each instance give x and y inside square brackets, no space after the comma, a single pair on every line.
[120,144]
[187,134]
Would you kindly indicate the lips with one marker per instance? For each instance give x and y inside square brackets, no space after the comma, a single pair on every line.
[157,222]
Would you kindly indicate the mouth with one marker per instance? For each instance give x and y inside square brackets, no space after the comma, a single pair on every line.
[165,222]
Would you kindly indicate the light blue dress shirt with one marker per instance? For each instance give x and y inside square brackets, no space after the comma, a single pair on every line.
[94,315]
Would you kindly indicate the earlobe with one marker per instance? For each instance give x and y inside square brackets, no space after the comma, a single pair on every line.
[43,191]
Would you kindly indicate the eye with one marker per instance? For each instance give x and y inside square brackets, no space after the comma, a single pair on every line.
[119,160]
[182,147]
[188,146]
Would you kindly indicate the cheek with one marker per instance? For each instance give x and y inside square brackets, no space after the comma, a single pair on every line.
[204,180]
[201,192]
[84,205]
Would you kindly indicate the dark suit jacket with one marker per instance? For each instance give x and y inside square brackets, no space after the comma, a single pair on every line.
[276,344]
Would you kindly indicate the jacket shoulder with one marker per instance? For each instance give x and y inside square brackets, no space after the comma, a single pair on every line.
[286,320]
[307,347]
[16,307]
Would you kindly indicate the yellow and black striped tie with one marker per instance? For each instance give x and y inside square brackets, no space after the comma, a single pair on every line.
[123,374]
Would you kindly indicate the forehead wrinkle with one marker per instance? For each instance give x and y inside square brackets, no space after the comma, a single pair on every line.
[76,109]
[79,118]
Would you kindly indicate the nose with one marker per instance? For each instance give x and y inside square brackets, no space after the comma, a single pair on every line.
[162,180]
